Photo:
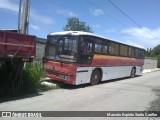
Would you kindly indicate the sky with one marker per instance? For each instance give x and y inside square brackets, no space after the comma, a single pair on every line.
[51,16]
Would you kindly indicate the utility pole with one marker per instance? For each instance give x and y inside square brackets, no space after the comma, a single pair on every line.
[19,16]
[24,21]
[25,17]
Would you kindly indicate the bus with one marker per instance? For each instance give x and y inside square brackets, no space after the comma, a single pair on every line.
[76,57]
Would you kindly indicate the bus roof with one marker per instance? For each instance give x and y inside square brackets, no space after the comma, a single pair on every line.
[89,34]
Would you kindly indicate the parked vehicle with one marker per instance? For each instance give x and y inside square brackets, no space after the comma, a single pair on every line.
[78,57]
[17,46]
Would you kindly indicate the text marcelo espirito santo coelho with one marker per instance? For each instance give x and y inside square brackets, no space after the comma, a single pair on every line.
[139,114]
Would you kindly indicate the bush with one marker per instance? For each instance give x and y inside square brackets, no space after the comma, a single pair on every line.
[27,82]
[33,74]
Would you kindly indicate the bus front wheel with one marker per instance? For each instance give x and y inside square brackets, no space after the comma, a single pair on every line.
[133,72]
[95,77]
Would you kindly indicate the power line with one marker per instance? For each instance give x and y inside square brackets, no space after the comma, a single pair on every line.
[95,6]
[131,18]
[124,13]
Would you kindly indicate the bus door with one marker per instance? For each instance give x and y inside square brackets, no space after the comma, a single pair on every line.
[85,50]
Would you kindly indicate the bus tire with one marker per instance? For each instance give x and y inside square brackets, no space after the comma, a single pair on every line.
[95,77]
[133,72]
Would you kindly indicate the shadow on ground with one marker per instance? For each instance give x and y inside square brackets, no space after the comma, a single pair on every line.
[155,104]
[61,86]
[20,97]
[70,87]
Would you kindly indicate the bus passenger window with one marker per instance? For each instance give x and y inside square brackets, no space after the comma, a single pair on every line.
[136,52]
[104,49]
[129,51]
[142,53]
[123,50]
[139,53]
[86,51]
[116,47]
[111,48]
[133,52]
[97,48]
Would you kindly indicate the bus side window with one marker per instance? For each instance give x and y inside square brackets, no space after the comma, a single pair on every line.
[136,52]
[101,46]
[123,50]
[86,50]
[129,51]
[133,52]
[139,53]
[142,53]
[105,49]
[111,48]
[116,49]
[86,47]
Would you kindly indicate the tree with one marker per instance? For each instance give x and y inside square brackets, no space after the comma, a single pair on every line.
[149,52]
[74,24]
[156,50]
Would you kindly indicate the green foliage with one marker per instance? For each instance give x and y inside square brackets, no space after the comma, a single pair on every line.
[148,52]
[33,74]
[156,50]
[74,24]
[11,85]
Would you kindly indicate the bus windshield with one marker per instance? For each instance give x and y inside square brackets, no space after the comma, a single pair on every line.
[63,48]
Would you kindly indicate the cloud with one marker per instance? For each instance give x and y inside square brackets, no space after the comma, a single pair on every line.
[8,5]
[146,37]
[67,13]
[142,32]
[14,7]
[35,27]
[97,12]
[41,18]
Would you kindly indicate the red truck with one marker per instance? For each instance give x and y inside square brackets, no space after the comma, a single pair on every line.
[17,46]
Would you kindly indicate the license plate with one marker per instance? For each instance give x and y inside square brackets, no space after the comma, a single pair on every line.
[64,77]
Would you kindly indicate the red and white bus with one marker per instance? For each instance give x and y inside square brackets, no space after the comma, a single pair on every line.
[76,57]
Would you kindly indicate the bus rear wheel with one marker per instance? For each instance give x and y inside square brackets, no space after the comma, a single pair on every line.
[133,73]
[95,77]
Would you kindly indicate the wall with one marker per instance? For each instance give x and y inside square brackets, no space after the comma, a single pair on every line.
[40,49]
[150,63]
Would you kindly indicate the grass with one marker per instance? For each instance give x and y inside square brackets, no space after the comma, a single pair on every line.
[12,85]
[32,76]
